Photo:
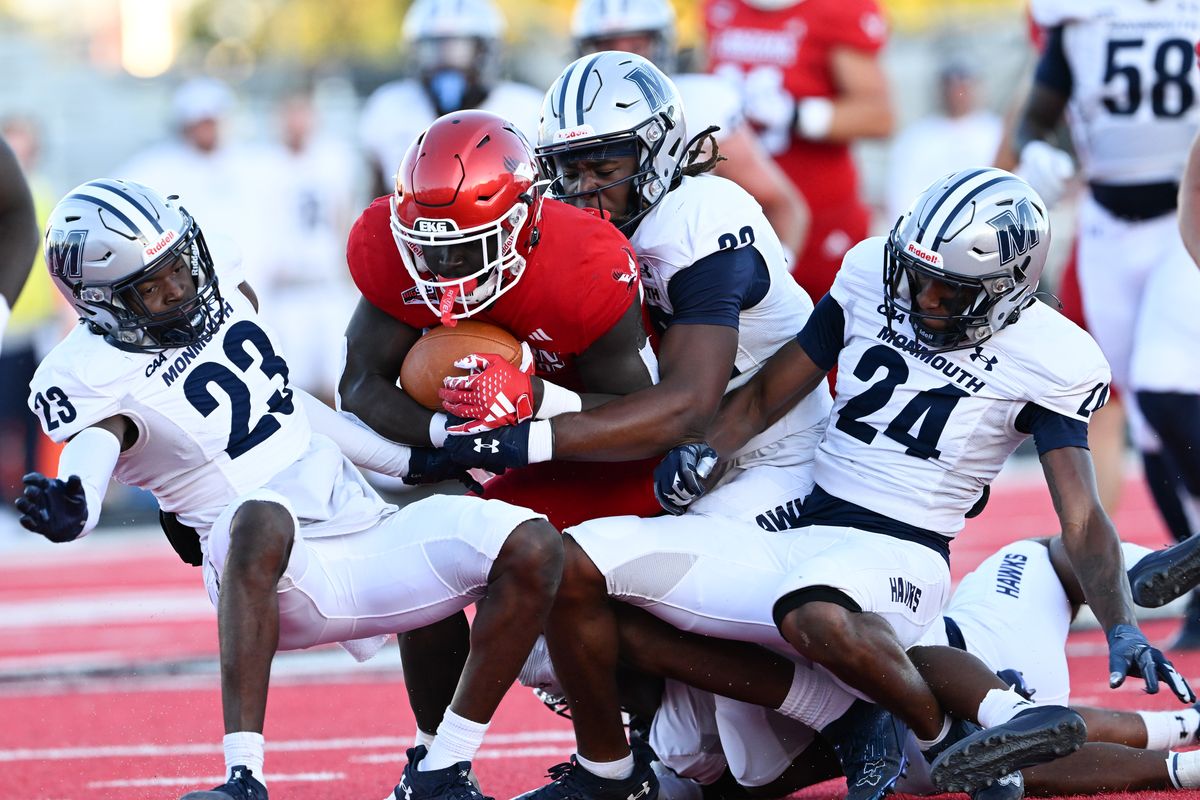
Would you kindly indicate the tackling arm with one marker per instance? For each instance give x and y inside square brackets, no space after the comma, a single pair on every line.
[618,363]
[863,107]
[376,345]
[695,362]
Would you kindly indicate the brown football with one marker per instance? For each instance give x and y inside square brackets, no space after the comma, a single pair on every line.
[432,357]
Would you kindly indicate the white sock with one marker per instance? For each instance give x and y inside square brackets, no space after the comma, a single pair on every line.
[1166,729]
[458,738]
[1184,769]
[999,706]
[814,699]
[423,738]
[925,744]
[244,749]
[612,770]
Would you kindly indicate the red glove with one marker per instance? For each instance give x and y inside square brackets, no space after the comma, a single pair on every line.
[495,393]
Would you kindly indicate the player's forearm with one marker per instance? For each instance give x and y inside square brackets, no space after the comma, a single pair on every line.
[364,447]
[1189,203]
[636,426]
[91,455]
[18,227]
[865,117]
[387,410]
[1095,553]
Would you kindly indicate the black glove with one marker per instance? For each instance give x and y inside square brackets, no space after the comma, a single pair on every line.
[52,508]
[434,465]
[679,477]
[494,450]
[1130,654]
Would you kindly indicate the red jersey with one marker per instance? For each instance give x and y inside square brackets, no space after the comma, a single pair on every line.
[579,279]
[797,41]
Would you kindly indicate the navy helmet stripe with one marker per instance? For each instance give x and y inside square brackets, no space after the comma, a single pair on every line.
[587,70]
[945,196]
[109,207]
[962,204]
[132,200]
[562,96]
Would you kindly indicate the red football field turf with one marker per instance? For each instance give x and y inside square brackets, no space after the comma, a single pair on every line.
[108,685]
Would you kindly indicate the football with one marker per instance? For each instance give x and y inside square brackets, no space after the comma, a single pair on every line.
[432,357]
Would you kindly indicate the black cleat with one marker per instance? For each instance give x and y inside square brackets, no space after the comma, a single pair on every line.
[242,785]
[1010,787]
[1164,575]
[570,781]
[1035,736]
[869,742]
[451,783]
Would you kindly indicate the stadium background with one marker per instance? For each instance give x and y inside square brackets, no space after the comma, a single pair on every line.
[108,679]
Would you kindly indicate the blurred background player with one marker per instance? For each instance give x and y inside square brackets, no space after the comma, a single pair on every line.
[647,28]
[18,247]
[958,135]
[306,289]
[455,48]
[811,84]
[1127,73]
[220,174]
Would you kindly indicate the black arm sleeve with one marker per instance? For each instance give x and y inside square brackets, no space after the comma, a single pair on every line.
[824,334]
[1053,70]
[715,289]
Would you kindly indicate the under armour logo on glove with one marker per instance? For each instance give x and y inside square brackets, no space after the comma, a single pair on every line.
[493,395]
[679,478]
[494,451]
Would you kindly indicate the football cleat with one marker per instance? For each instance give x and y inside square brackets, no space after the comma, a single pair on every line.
[1164,575]
[570,781]
[1009,787]
[869,742]
[242,785]
[450,783]
[1035,736]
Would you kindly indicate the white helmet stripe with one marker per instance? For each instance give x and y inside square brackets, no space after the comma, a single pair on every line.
[992,180]
[120,205]
[930,217]
[587,70]
[562,95]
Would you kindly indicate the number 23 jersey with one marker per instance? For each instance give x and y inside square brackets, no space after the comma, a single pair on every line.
[215,420]
[916,436]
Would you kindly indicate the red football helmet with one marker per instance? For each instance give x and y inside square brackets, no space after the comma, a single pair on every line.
[465,193]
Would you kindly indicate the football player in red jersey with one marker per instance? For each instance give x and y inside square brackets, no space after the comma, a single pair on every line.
[469,234]
[812,84]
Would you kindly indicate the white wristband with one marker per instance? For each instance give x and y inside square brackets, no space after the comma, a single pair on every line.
[92,455]
[557,400]
[437,429]
[541,442]
[814,117]
[4,312]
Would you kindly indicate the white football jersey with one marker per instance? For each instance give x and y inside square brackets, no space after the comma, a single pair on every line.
[709,100]
[706,214]
[397,112]
[916,437]
[1133,109]
[215,421]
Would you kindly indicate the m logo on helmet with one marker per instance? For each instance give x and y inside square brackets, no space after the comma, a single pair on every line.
[1016,231]
[650,85]
[64,253]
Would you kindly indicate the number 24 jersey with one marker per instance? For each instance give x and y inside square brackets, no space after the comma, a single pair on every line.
[915,436]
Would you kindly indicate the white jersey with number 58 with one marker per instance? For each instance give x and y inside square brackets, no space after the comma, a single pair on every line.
[1135,96]
[915,436]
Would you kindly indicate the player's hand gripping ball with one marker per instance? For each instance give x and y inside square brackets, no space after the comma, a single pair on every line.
[431,359]
[493,395]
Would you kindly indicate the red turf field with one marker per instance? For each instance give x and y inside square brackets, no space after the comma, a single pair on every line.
[109,688]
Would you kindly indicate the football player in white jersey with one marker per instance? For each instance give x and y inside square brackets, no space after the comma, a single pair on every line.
[1123,72]
[936,387]
[18,232]
[170,383]
[454,45]
[647,28]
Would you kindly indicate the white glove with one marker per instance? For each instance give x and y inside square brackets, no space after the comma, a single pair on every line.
[1047,169]
[767,104]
